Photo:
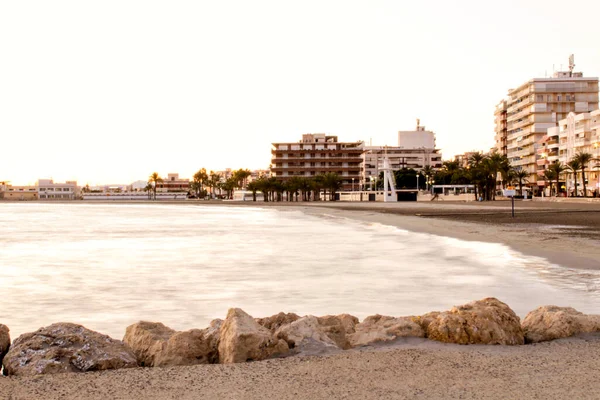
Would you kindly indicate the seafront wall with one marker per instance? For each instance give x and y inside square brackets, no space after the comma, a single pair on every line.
[67,347]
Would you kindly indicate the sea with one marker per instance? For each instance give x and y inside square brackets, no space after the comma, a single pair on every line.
[107,266]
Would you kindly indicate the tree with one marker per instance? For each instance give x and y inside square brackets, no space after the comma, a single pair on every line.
[213,182]
[549,176]
[574,165]
[149,189]
[332,182]
[240,177]
[253,187]
[583,159]
[198,181]
[155,179]
[520,176]
[428,172]
[557,168]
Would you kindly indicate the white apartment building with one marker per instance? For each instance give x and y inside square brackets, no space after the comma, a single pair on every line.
[577,133]
[537,105]
[48,190]
[416,150]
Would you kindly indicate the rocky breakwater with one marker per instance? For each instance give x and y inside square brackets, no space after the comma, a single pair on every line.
[241,338]
[4,341]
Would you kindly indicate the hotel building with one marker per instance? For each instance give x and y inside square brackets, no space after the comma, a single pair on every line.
[48,190]
[577,133]
[173,184]
[318,154]
[534,107]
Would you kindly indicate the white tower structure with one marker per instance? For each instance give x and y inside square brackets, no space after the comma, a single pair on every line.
[389,182]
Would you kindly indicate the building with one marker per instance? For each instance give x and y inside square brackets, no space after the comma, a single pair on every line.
[577,133]
[539,104]
[173,184]
[463,159]
[20,192]
[500,130]
[48,190]
[416,150]
[318,154]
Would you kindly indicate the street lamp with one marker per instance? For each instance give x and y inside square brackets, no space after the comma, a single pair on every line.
[353,184]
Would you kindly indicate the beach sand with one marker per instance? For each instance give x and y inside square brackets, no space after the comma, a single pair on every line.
[566,368]
[567,234]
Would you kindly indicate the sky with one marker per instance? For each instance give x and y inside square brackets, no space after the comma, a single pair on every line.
[110,91]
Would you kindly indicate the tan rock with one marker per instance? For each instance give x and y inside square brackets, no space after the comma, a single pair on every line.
[156,345]
[379,328]
[487,321]
[243,339]
[552,322]
[4,341]
[306,336]
[65,347]
[337,327]
[274,322]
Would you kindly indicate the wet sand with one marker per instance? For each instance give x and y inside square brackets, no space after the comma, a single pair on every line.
[562,369]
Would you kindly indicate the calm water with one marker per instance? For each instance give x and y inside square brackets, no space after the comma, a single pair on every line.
[107,266]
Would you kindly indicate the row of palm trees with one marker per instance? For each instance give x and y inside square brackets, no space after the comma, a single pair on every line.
[307,189]
[580,162]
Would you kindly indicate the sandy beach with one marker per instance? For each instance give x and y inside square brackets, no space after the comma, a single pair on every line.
[567,234]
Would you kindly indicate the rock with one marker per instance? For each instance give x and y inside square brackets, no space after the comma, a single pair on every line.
[552,322]
[243,339]
[306,336]
[65,347]
[274,322]
[337,327]
[4,341]
[379,328]
[157,345]
[487,321]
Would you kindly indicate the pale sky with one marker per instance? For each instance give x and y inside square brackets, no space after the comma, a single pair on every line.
[110,91]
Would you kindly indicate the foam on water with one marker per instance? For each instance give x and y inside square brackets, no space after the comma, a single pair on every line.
[107,266]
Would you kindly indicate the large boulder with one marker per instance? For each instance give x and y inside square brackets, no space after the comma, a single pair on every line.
[379,328]
[65,347]
[306,336]
[487,321]
[157,345]
[274,322]
[243,339]
[552,322]
[4,341]
[338,327]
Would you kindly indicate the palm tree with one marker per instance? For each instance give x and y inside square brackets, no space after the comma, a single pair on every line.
[521,175]
[148,189]
[574,165]
[549,176]
[428,171]
[557,169]
[155,179]
[584,159]
[198,181]
[253,187]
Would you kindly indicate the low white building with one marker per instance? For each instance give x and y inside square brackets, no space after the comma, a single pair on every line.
[48,190]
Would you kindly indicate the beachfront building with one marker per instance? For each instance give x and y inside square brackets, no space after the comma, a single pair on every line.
[173,184]
[463,159]
[49,190]
[500,125]
[316,154]
[11,192]
[539,104]
[577,133]
[416,150]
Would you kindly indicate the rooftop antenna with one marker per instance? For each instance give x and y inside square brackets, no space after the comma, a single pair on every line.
[571,64]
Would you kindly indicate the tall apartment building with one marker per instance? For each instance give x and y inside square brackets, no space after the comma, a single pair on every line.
[317,154]
[539,104]
[500,127]
[416,150]
[578,133]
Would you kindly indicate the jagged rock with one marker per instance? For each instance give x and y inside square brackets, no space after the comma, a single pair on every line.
[274,322]
[306,336]
[4,341]
[65,347]
[379,328]
[337,327]
[425,319]
[157,345]
[487,321]
[243,339]
[552,322]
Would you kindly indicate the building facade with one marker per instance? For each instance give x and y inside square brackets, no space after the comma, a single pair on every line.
[539,104]
[577,133]
[48,190]
[500,130]
[318,154]
[20,193]
[173,184]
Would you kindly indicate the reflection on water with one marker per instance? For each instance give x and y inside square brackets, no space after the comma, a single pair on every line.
[107,266]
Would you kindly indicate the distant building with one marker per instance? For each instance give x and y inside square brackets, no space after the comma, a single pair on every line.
[316,154]
[537,105]
[463,159]
[416,150]
[173,184]
[20,192]
[48,190]
[500,124]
